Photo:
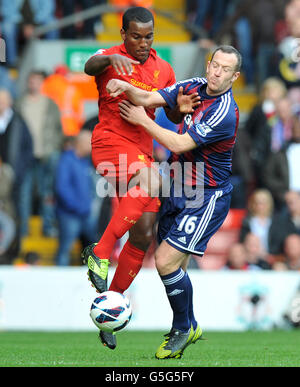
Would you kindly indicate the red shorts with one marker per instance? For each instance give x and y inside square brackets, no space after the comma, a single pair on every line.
[118,160]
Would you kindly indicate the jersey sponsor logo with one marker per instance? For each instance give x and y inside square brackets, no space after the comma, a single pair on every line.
[141,85]
[203,129]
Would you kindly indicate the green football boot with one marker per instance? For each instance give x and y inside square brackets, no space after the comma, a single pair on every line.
[98,268]
[175,343]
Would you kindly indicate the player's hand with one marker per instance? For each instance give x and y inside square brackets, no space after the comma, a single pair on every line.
[122,64]
[131,113]
[116,87]
[187,102]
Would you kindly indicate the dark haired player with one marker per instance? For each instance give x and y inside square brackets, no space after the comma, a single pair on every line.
[136,63]
[207,136]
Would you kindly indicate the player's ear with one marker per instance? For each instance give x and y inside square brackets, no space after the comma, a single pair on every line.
[207,66]
[123,33]
[235,76]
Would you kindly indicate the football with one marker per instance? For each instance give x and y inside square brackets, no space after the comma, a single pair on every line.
[111,311]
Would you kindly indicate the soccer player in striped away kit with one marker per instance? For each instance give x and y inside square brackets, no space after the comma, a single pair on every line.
[137,63]
[186,224]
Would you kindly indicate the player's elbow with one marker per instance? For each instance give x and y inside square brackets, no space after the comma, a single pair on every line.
[93,66]
[88,68]
[180,146]
[177,148]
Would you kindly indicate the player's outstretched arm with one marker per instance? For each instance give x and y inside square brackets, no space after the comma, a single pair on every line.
[136,115]
[151,99]
[98,63]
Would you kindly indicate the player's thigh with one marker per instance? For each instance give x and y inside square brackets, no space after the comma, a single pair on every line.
[192,228]
[168,259]
[119,162]
[148,178]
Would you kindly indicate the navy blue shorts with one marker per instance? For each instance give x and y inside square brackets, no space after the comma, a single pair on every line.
[189,229]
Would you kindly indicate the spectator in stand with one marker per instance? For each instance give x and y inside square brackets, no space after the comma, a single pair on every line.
[7,213]
[292,252]
[286,223]
[210,15]
[24,15]
[124,4]
[132,3]
[31,258]
[292,200]
[256,255]
[259,219]
[70,7]
[288,66]
[7,179]
[243,178]
[6,81]
[60,89]
[42,117]
[15,142]
[237,258]
[259,123]
[254,35]
[281,130]
[281,172]
[75,193]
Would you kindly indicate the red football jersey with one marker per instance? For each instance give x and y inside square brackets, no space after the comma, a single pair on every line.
[152,75]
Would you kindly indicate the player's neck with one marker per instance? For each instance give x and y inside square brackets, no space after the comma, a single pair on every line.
[212,93]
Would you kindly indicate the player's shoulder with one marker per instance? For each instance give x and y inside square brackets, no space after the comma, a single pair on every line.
[226,101]
[109,50]
[187,84]
[192,82]
[224,110]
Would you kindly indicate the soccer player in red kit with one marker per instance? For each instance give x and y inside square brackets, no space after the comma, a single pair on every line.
[123,152]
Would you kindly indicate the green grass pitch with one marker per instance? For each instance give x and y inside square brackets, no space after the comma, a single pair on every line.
[136,349]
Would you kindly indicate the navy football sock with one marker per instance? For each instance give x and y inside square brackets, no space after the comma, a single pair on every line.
[191,308]
[177,287]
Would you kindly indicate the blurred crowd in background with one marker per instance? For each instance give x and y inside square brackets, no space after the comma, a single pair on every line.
[45,165]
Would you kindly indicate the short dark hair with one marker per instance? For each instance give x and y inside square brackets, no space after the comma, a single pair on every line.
[137,14]
[230,50]
[39,73]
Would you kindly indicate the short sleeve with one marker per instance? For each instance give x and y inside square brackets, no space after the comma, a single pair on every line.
[172,77]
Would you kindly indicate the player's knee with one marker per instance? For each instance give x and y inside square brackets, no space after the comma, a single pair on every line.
[162,265]
[141,240]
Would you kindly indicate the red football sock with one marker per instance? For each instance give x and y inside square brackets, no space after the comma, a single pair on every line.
[127,214]
[129,264]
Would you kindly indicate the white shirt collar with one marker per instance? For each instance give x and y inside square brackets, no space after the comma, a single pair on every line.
[5,119]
